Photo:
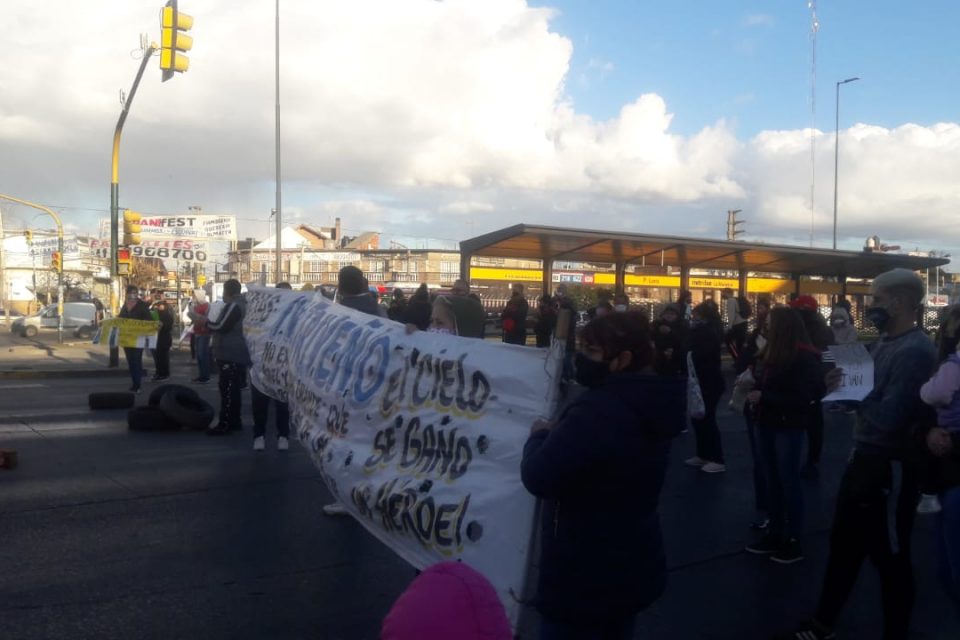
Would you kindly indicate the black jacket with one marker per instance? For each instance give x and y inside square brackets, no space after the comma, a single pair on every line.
[140,311]
[789,398]
[704,345]
[514,318]
[599,472]
[165,316]
[417,313]
[675,341]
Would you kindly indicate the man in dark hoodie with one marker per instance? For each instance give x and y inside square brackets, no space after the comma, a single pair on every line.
[600,467]
[878,495]
[231,355]
[353,292]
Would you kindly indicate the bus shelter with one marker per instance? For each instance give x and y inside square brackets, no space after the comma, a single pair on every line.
[669,261]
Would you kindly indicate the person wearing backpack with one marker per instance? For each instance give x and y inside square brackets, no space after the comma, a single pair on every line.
[737,311]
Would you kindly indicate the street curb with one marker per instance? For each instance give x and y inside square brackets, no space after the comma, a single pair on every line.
[26,374]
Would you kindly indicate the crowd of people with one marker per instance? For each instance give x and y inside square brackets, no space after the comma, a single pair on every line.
[600,465]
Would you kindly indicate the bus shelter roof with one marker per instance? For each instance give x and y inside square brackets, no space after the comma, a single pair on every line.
[582,245]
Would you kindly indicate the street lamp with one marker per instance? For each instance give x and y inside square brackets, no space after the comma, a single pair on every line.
[836,159]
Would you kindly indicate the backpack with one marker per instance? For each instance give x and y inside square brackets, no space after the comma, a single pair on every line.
[743,306]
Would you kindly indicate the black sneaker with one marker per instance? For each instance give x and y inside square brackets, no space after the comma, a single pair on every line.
[200,380]
[218,431]
[766,545]
[788,553]
[134,389]
[812,630]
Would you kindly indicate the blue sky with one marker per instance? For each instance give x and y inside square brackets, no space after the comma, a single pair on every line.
[436,121]
[750,62]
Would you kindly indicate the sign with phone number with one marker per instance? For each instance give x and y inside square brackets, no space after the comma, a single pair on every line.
[187,255]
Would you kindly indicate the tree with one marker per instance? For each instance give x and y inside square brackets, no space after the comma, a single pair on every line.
[143,274]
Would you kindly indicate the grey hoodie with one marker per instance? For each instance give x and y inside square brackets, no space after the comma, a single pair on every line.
[846,334]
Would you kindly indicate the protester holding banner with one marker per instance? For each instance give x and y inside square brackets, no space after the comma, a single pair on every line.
[599,470]
[260,405]
[161,312]
[706,338]
[877,501]
[789,386]
[230,352]
[135,309]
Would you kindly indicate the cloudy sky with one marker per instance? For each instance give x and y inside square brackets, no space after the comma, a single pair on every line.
[435,121]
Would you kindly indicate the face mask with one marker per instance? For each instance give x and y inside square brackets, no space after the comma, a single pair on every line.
[879,317]
[620,307]
[441,330]
[590,373]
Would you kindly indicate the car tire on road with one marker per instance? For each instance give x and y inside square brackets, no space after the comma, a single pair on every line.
[111,400]
[29,331]
[149,418]
[187,408]
[156,395]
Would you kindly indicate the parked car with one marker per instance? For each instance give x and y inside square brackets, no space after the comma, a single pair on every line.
[13,313]
[75,315]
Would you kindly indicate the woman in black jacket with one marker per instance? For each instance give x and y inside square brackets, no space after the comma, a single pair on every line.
[418,309]
[135,309]
[790,384]
[670,341]
[599,470]
[704,343]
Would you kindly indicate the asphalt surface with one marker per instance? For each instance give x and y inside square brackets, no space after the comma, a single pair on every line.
[106,533]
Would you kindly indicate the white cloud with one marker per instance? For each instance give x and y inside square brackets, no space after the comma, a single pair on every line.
[757,20]
[412,116]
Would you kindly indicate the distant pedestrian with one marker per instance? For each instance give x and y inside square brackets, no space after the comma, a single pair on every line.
[514,317]
[471,316]
[621,302]
[230,352]
[418,308]
[565,303]
[398,304]
[841,324]
[135,309]
[163,314]
[613,441]
[705,340]
[201,336]
[260,405]
[670,341]
[737,315]
[878,495]
[546,321]
[821,337]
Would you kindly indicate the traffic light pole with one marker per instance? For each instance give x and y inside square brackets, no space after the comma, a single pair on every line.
[56,219]
[115,198]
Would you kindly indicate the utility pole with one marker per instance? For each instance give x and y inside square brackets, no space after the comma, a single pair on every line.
[279,266]
[3,275]
[732,222]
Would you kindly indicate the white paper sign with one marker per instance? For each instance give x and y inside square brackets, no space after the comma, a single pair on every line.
[857,368]
[420,435]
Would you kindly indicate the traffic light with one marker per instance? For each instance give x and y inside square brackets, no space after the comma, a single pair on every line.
[732,222]
[123,262]
[56,263]
[131,228]
[172,40]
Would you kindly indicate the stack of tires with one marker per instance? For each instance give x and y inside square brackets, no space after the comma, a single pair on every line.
[170,407]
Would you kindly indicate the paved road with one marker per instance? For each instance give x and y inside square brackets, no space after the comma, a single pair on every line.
[106,533]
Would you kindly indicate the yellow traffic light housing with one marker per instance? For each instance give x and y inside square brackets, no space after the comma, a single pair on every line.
[123,262]
[173,40]
[56,262]
[131,228]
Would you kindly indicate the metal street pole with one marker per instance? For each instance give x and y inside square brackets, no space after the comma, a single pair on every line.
[56,219]
[836,159]
[279,265]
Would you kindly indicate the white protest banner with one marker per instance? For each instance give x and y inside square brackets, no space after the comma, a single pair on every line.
[46,245]
[857,368]
[202,227]
[185,250]
[420,436]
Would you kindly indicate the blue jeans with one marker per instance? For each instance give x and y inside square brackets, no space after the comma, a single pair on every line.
[759,473]
[135,365]
[948,541]
[621,630]
[780,450]
[202,346]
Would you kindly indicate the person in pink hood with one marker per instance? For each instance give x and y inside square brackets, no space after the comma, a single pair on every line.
[448,601]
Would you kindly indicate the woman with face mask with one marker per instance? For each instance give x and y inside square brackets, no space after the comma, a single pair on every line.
[841,323]
[599,468]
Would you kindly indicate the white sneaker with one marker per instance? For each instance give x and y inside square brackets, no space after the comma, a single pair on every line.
[695,461]
[929,503]
[335,509]
[713,467]
[259,443]
[282,444]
